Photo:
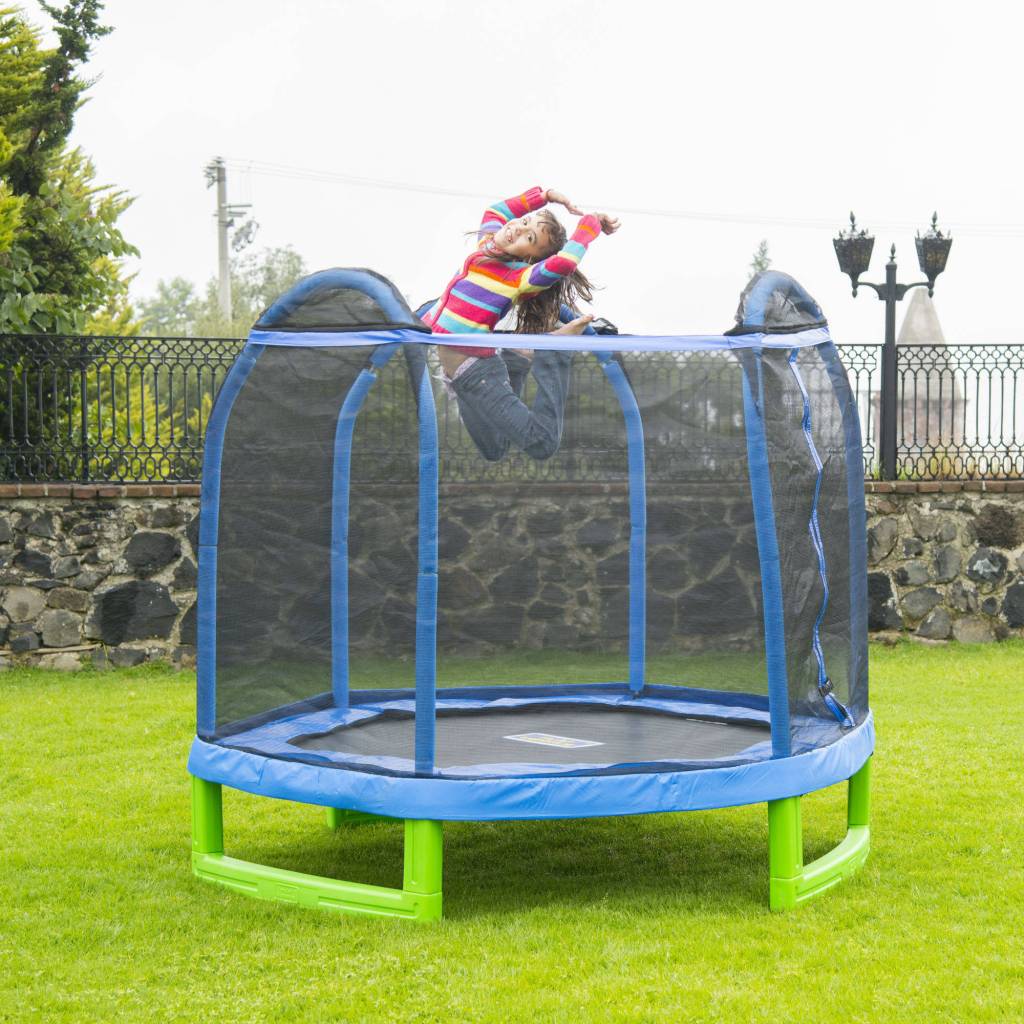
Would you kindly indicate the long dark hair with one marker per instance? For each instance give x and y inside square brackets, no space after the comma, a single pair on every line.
[538,313]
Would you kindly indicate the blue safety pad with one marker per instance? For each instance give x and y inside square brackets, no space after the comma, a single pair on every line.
[551,796]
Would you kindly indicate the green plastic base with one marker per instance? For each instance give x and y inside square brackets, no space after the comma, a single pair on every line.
[792,881]
[419,898]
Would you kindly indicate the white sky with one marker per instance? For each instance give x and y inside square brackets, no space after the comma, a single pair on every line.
[788,111]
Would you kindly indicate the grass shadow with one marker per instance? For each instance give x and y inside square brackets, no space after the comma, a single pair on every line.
[696,858]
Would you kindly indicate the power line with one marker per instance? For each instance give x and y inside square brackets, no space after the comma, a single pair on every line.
[275,170]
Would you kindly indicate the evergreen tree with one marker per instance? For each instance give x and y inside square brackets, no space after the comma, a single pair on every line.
[760,260]
[60,247]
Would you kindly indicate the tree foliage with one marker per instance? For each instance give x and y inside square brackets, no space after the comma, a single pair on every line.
[60,246]
[760,260]
[173,311]
[257,279]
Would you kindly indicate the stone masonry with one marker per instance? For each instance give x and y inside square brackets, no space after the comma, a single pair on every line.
[946,561]
[107,574]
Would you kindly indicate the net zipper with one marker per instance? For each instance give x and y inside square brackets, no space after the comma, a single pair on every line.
[825,687]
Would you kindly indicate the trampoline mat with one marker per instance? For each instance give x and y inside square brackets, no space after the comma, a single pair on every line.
[552,734]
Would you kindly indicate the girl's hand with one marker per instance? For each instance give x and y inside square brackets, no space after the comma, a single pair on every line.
[552,195]
[609,224]
[577,326]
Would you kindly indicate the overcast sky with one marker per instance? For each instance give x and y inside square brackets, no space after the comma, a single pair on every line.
[739,121]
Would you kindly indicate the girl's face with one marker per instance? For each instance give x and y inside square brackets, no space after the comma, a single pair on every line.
[526,238]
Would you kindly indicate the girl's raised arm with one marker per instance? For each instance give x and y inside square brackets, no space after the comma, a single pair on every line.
[497,216]
[538,276]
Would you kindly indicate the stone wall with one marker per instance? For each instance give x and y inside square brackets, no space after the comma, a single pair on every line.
[547,567]
[107,574]
[100,574]
[946,559]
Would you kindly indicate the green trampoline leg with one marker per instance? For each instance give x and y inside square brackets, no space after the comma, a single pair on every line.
[792,881]
[419,898]
[338,816]
[207,817]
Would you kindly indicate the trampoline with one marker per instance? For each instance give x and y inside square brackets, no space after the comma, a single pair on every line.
[667,614]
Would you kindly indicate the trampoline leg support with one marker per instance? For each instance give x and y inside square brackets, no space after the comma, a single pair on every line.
[419,898]
[792,881]
[337,817]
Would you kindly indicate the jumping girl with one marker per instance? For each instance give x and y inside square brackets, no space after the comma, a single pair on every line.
[523,258]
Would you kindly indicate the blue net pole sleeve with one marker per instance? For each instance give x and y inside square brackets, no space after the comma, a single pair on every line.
[341,483]
[768,556]
[426,584]
[857,519]
[637,519]
[209,523]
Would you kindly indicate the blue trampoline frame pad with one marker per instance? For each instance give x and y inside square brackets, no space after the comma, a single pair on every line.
[261,760]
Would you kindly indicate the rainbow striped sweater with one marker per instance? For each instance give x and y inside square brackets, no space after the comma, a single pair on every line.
[487,286]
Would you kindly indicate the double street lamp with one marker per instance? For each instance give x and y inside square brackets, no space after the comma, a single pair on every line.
[853,250]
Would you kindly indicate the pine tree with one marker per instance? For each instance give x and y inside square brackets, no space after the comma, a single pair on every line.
[760,260]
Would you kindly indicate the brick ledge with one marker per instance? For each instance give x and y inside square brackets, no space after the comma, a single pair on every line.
[943,486]
[89,492]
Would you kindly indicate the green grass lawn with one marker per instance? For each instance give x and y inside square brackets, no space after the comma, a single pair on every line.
[655,918]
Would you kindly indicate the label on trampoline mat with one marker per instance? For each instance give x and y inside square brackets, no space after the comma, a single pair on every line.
[547,739]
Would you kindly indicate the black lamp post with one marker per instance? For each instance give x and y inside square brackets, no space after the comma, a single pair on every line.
[853,250]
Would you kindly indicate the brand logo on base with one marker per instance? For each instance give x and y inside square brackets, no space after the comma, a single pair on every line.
[546,739]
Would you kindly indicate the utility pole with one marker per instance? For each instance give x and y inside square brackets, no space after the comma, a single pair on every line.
[216,174]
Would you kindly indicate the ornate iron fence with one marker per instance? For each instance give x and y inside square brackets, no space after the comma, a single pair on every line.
[135,410]
[119,409]
[959,409]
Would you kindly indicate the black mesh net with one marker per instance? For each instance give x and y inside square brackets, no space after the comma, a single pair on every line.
[321,303]
[775,303]
[534,599]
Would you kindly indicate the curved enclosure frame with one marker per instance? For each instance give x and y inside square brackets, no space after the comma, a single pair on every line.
[667,614]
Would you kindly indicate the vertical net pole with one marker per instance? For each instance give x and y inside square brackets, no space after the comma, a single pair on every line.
[341,486]
[637,519]
[767,551]
[209,523]
[426,582]
[857,518]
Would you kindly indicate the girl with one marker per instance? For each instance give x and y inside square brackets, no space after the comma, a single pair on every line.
[524,259]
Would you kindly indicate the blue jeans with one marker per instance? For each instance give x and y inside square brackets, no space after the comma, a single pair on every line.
[489,397]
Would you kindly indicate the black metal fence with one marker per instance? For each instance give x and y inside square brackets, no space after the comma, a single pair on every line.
[135,410]
[959,409]
[117,409]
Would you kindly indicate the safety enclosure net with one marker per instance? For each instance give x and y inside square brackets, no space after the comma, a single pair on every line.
[679,584]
